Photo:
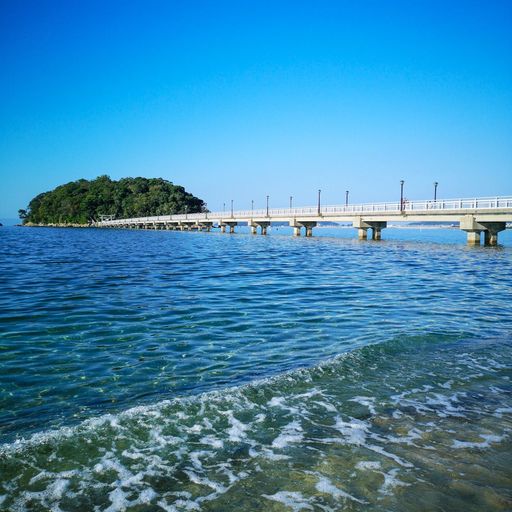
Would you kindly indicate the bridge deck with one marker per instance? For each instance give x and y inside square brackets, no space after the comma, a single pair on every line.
[488,215]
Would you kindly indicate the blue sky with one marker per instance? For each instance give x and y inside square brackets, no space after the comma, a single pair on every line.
[237,100]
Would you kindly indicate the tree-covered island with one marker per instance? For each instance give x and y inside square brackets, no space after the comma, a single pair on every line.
[83,201]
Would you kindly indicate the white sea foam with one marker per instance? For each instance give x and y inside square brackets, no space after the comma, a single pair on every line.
[294,500]
[292,433]
[488,440]
[326,405]
[353,431]
[390,482]
[325,486]
[195,478]
[368,464]
[237,430]
[392,456]
[212,441]
[367,401]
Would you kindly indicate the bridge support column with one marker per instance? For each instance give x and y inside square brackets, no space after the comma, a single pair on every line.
[307,225]
[377,228]
[263,225]
[473,237]
[231,226]
[474,228]
[491,232]
[363,226]
[362,233]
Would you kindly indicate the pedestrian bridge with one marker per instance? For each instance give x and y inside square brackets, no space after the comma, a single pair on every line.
[475,216]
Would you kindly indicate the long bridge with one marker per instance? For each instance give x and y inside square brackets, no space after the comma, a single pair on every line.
[475,216]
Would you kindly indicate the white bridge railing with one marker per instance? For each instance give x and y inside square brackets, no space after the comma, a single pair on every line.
[440,206]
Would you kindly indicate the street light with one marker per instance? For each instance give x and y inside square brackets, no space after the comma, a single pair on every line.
[186,211]
[231,207]
[346,197]
[252,206]
[319,192]
[401,195]
[223,207]
[435,190]
[291,199]
[267,206]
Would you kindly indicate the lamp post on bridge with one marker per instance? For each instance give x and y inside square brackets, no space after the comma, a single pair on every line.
[291,199]
[267,205]
[319,192]
[231,208]
[435,190]
[186,212]
[401,196]
[223,208]
[346,197]
[252,207]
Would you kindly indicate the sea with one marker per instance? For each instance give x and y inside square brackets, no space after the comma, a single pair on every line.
[184,371]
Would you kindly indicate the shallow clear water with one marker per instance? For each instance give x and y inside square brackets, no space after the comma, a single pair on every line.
[148,370]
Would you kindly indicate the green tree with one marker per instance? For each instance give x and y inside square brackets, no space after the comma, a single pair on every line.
[84,201]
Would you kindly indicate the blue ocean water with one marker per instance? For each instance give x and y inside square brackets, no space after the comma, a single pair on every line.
[155,370]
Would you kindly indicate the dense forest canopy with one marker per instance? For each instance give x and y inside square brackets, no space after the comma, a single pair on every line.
[83,201]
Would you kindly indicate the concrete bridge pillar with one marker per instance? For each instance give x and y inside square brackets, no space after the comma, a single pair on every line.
[362,233]
[377,228]
[231,226]
[363,226]
[473,237]
[308,225]
[474,229]
[263,225]
[491,232]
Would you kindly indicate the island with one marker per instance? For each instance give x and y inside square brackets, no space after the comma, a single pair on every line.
[82,202]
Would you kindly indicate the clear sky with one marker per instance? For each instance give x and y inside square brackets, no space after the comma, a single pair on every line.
[237,100]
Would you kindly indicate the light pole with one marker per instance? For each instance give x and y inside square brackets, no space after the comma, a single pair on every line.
[186,211]
[319,192]
[223,208]
[346,197]
[435,190]
[252,206]
[291,199]
[231,207]
[267,206]
[401,195]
